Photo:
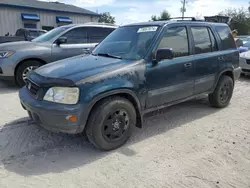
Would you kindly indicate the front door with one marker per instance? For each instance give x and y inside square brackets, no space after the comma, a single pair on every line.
[77,43]
[171,80]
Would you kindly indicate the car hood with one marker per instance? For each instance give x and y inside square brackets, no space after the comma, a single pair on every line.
[80,67]
[245,55]
[21,45]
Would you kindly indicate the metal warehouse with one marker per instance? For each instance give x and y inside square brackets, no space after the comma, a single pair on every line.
[15,14]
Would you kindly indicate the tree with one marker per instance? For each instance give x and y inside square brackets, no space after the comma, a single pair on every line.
[107,18]
[164,16]
[240,19]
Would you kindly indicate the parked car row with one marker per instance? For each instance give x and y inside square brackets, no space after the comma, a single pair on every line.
[243,42]
[22,34]
[18,58]
[136,69]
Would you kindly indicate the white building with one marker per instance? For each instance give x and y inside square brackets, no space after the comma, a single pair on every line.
[15,14]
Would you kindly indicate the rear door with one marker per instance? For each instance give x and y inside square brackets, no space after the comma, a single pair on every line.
[206,58]
[77,43]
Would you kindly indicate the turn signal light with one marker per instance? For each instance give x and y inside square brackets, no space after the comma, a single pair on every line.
[72,118]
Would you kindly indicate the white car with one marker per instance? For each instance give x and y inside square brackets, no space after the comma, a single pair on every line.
[245,62]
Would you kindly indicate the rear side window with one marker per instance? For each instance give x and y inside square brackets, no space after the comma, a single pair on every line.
[213,41]
[201,40]
[204,40]
[76,36]
[97,34]
[176,39]
[20,32]
[226,37]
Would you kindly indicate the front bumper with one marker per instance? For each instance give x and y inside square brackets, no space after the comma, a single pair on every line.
[237,73]
[7,68]
[244,65]
[52,116]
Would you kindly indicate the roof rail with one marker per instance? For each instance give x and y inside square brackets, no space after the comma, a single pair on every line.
[183,18]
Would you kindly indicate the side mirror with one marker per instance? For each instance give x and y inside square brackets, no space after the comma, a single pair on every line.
[164,53]
[61,40]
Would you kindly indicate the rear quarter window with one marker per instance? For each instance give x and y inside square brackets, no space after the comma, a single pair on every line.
[226,37]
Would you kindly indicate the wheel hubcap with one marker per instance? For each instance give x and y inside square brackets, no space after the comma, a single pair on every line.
[225,93]
[115,125]
[25,72]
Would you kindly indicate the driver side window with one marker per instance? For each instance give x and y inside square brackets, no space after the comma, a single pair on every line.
[176,39]
[76,36]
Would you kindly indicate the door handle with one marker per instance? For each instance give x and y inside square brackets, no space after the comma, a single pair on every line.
[188,65]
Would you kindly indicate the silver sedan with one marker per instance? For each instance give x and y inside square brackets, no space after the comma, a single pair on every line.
[245,62]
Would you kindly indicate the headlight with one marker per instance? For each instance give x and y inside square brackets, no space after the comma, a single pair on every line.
[64,95]
[4,54]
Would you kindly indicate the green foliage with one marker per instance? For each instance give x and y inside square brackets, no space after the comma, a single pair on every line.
[107,18]
[164,16]
[240,20]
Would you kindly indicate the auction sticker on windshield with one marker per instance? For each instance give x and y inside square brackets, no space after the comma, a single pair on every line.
[147,29]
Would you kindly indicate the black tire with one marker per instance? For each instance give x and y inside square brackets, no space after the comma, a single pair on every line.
[95,129]
[20,70]
[223,92]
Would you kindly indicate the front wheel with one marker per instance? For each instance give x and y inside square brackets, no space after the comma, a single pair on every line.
[223,92]
[111,123]
[23,69]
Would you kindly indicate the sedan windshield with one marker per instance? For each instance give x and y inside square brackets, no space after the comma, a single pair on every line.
[131,42]
[50,35]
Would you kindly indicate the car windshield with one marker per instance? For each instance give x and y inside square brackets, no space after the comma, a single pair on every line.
[130,42]
[247,44]
[50,35]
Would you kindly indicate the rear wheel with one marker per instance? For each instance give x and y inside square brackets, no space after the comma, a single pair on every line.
[223,92]
[111,123]
[23,69]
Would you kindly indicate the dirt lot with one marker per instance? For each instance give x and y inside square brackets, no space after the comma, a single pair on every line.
[187,145]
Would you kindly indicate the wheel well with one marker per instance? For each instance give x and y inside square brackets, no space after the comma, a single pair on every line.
[31,59]
[128,97]
[230,74]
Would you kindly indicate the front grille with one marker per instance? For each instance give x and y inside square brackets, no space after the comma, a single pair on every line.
[32,87]
[245,70]
[248,61]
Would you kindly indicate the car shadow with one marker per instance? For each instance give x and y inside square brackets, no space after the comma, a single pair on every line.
[28,149]
[8,87]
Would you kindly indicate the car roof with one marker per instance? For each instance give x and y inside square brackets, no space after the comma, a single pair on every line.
[92,24]
[163,23]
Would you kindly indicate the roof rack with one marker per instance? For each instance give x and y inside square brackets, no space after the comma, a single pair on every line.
[183,18]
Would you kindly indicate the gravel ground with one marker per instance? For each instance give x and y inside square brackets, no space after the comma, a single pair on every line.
[187,145]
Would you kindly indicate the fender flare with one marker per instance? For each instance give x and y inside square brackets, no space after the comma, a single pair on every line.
[221,73]
[117,92]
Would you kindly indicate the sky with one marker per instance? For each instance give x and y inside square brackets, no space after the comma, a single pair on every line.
[130,11]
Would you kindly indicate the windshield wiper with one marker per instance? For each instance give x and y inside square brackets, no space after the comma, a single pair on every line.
[108,55]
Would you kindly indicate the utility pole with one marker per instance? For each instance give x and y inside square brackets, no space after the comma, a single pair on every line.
[183,8]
